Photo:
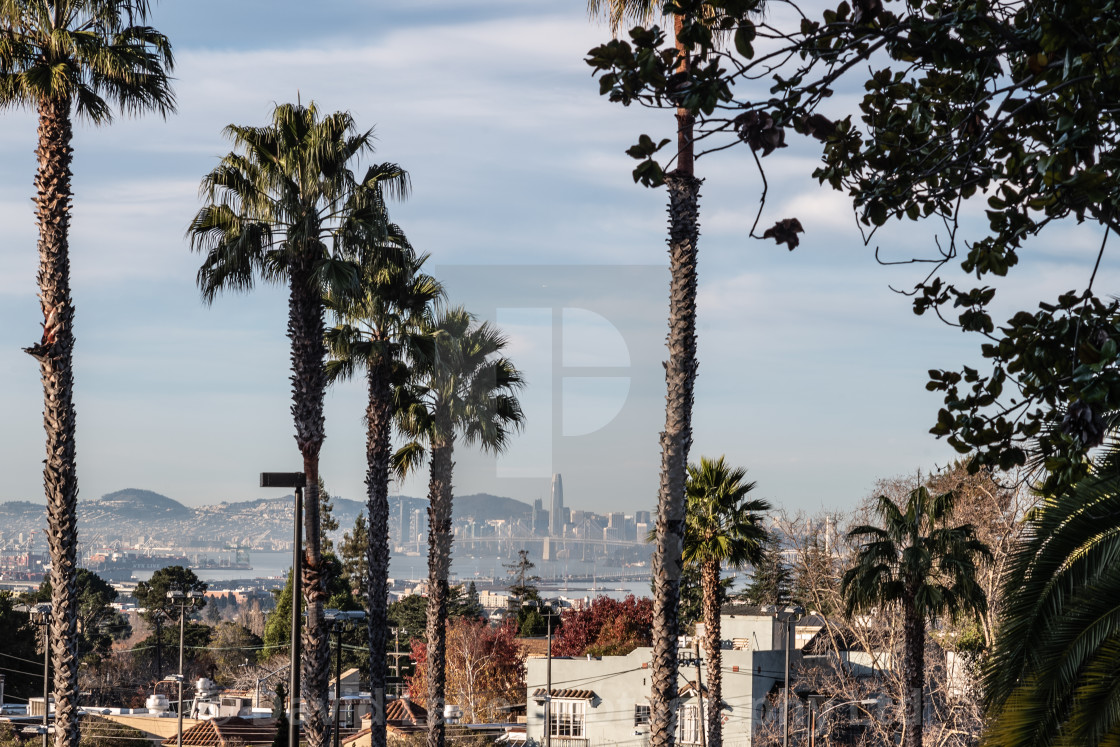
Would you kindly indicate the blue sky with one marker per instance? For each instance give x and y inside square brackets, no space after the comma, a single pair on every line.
[812,370]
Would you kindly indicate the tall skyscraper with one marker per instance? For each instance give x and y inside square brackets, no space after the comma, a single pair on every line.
[556,508]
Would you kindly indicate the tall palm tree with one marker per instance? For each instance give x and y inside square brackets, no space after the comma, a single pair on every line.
[286,206]
[680,380]
[1052,677]
[724,528]
[923,565]
[66,57]
[467,390]
[380,329]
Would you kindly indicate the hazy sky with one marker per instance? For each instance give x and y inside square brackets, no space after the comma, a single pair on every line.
[812,370]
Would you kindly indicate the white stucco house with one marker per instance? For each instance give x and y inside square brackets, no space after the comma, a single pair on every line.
[605,700]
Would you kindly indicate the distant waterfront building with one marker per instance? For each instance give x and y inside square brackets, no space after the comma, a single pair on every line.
[556,507]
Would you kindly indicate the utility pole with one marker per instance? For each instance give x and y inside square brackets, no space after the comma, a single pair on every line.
[159,647]
[183,600]
[700,696]
[548,687]
[46,677]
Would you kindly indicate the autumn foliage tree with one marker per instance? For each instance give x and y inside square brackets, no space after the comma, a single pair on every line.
[606,627]
[485,669]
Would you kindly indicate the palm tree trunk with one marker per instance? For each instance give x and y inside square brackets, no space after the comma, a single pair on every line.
[914,666]
[378,447]
[676,439]
[55,355]
[709,585]
[439,566]
[305,330]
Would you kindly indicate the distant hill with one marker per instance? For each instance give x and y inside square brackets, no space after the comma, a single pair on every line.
[146,503]
[485,507]
[144,516]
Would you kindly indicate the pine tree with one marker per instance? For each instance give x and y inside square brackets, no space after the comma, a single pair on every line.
[327,522]
[352,552]
[771,581]
[522,582]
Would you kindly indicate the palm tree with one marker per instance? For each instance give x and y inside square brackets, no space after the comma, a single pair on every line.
[467,390]
[724,528]
[680,380]
[64,57]
[286,206]
[378,329]
[1052,675]
[920,563]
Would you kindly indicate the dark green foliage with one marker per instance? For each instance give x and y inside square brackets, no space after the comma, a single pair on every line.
[409,616]
[281,738]
[531,623]
[410,613]
[522,583]
[18,652]
[327,522]
[1051,678]
[197,638]
[278,625]
[352,552]
[152,594]
[916,559]
[98,623]
[692,596]
[771,581]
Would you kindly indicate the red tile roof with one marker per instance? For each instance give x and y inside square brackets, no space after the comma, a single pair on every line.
[219,732]
[402,712]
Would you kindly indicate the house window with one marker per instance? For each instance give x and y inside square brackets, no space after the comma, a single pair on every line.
[641,714]
[688,725]
[568,718]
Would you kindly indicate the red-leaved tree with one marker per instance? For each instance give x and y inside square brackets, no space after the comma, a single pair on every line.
[485,669]
[606,627]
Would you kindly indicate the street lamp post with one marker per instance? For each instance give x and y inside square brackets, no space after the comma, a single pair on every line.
[298,481]
[182,601]
[792,614]
[339,621]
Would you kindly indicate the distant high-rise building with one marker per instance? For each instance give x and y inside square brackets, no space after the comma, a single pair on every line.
[556,507]
[419,526]
[540,518]
[641,517]
[405,533]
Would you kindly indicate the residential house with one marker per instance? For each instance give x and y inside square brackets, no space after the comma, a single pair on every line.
[605,700]
[402,718]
